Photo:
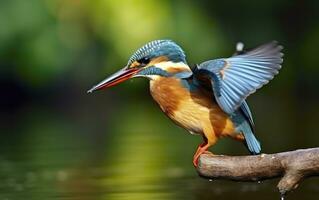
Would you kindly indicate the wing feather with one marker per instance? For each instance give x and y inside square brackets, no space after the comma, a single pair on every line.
[235,78]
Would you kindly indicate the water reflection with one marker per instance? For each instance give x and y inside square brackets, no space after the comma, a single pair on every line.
[139,161]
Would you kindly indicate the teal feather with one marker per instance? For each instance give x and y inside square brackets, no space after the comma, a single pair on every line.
[244,124]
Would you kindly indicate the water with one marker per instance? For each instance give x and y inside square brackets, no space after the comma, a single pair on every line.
[53,155]
[123,177]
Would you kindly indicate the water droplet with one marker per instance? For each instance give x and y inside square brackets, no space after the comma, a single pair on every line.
[282,197]
[259,182]
[210,180]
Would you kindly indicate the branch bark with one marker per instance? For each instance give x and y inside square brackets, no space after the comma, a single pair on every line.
[292,166]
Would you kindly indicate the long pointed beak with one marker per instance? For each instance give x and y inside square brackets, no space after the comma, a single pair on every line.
[118,77]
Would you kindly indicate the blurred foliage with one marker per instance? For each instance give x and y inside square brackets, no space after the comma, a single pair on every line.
[52,51]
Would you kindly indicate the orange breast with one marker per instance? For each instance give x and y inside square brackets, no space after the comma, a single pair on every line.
[192,110]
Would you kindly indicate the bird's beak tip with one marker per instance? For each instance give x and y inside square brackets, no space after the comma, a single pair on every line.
[118,77]
[94,88]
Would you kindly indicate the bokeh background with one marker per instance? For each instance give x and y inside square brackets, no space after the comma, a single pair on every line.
[57,142]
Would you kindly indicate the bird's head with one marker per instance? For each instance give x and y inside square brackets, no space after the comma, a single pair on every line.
[153,59]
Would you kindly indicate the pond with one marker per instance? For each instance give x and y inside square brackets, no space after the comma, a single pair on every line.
[49,152]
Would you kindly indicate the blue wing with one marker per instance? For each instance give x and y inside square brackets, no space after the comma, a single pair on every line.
[234,79]
[247,113]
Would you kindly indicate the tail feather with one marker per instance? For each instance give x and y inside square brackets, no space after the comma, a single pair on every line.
[245,125]
[253,144]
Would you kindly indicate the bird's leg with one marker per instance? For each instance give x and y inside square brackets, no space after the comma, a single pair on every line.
[199,152]
[202,148]
[209,140]
[202,144]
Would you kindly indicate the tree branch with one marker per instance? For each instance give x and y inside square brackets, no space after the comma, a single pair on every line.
[292,166]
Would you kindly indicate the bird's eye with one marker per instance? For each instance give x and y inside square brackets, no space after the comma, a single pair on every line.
[144,61]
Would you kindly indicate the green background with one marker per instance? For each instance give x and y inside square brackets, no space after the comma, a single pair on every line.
[57,142]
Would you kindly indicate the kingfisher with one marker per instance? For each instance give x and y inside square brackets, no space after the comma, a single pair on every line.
[208,99]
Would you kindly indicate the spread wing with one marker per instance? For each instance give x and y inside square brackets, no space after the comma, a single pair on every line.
[233,79]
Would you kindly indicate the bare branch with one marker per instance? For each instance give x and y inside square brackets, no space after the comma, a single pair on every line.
[292,166]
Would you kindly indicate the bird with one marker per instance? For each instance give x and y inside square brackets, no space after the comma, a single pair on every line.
[207,99]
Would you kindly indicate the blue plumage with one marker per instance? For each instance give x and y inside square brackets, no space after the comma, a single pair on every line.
[235,78]
[210,99]
[231,79]
[244,124]
[159,48]
[154,71]
[253,144]
[160,72]
[247,113]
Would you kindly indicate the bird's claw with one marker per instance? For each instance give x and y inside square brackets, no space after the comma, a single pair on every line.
[197,155]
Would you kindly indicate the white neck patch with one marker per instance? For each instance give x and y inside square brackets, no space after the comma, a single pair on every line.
[169,64]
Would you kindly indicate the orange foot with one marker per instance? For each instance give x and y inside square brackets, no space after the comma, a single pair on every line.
[202,148]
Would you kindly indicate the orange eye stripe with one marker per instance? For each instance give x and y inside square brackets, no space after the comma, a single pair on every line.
[135,64]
